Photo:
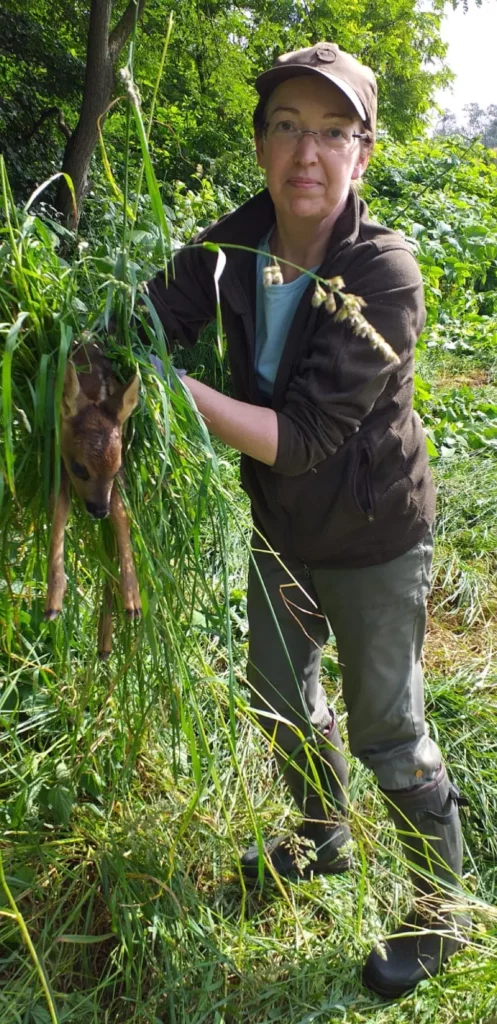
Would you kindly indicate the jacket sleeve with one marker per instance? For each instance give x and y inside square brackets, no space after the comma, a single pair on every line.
[342,378]
[186,303]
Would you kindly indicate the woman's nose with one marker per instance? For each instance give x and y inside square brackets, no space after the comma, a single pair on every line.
[306,149]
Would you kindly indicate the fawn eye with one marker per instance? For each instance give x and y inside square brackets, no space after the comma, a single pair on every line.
[79,470]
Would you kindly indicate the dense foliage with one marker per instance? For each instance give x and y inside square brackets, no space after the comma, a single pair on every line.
[441,194]
[206,94]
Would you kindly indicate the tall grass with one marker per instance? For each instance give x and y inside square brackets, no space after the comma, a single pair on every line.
[128,788]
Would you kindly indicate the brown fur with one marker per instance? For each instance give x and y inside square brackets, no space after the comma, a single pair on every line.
[94,408]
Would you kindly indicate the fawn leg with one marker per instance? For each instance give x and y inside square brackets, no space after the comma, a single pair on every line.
[56,576]
[105,623]
[129,583]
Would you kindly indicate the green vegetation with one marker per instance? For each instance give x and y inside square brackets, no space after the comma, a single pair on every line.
[205,96]
[127,788]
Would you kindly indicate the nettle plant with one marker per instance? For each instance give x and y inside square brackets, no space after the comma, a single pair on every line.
[441,194]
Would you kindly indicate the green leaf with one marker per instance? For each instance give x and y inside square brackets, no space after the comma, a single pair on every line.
[60,800]
[431,448]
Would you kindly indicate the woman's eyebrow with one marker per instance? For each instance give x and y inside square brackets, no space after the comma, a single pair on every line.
[294,110]
[290,110]
[343,117]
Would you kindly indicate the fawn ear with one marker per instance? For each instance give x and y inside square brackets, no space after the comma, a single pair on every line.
[128,400]
[71,393]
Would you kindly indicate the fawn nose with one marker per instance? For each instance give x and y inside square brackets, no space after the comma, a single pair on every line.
[97,511]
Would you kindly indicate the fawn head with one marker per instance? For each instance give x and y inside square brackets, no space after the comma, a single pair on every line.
[91,437]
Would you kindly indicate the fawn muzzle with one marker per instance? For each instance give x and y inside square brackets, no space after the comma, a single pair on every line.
[97,511]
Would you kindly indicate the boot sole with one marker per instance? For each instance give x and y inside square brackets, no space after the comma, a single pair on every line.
[389,993]
[337,867]
[396,992]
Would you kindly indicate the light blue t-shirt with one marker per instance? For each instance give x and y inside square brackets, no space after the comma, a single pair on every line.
[275,308]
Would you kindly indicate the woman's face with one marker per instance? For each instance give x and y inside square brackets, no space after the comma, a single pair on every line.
[307,179]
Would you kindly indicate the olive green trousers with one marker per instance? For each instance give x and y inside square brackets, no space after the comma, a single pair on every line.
[378,617]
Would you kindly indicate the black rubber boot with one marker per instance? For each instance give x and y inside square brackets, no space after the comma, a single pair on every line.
[427,821]
[318,845]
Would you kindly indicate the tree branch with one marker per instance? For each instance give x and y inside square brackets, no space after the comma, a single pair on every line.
[49,112]
[124,27]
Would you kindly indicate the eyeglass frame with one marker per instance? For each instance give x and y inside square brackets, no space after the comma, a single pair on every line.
[310,131]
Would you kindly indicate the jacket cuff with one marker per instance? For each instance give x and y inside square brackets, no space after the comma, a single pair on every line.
[292,458]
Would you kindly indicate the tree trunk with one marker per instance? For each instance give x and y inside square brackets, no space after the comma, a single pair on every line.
[102,52]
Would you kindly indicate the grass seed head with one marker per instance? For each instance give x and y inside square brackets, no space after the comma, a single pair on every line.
[330,304]
[272,275]
[319,296]
[350,312]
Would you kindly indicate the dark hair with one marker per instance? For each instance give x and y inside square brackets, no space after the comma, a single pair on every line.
[259,117]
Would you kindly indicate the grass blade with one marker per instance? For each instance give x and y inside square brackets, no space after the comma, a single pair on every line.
[10,344]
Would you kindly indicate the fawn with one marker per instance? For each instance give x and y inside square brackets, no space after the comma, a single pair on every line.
[94,408]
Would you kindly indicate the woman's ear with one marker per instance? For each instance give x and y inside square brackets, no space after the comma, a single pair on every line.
[362,162]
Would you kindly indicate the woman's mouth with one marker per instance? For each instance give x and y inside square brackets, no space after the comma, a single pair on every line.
[303,183]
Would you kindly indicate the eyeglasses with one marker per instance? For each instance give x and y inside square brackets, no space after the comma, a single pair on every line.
[286,133]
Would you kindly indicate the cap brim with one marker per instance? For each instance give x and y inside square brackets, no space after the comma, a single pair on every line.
[268,81]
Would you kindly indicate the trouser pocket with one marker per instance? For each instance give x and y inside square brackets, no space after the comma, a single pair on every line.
[363,484]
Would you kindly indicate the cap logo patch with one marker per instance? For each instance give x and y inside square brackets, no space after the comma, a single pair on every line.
[326,54]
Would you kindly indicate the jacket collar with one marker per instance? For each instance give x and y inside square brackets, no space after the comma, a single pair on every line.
[250,222]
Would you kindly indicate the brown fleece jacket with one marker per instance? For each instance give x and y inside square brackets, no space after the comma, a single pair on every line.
[351,485]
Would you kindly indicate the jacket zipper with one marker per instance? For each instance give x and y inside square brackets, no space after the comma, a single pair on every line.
[369,489]
[366,505]
[370,511]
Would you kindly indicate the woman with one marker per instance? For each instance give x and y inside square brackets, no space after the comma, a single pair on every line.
[334,461]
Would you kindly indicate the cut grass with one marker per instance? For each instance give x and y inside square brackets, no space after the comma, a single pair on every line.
[135,905]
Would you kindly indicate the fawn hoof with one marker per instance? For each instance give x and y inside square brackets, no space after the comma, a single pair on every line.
[51,613]
[104,655]
[133,613]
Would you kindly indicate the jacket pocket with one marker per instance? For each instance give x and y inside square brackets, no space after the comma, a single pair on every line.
[362,484]
[320,506]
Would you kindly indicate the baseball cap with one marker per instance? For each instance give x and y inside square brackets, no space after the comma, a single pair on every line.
[354,79]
